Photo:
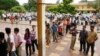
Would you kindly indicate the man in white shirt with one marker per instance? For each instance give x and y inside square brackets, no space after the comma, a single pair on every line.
[4,16]
[11,43]
[33,38]
[18,41]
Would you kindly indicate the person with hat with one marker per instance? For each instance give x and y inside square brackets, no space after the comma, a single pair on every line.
[3,45]
[92,37]
[82,38]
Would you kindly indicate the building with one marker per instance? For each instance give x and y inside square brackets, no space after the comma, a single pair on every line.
[83,6]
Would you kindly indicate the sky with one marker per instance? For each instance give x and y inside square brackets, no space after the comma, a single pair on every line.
[47,1]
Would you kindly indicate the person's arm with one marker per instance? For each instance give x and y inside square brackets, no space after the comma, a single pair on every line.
[79,35]
[11,43]
[21,40]
[96,37]
[24,36]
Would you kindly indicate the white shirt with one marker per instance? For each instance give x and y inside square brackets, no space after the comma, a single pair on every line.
[33,33]
[11,41]
[18,39]
[3,15]
[30,18]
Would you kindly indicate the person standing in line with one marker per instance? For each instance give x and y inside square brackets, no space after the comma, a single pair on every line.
[73,32]
[10,42]
[68,26]
[48,34]
[18,41]
[27,38]
[64,23]
[34,38]
[60,30]
[82,38]
[54,30]
[3,45]
[92,37]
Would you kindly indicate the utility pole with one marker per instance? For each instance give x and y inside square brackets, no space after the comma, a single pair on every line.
[41,27]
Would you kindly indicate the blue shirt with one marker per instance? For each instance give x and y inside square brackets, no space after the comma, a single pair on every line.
[54,28]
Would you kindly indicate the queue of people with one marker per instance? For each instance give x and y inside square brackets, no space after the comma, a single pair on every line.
[11,44]
[58,29]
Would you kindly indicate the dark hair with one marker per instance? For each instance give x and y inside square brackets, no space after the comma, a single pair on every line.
[16,29]
[2,36]
[27,29]
[92,26]
[8,30]
[48,25]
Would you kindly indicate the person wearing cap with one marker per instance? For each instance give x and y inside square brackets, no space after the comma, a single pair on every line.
[3,45]
[82,38]
[92,37]
[34,38]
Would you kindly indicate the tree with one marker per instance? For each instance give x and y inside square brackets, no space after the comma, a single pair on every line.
[8,4]
[31,5]
[18,9]
[26,6]
[63,7]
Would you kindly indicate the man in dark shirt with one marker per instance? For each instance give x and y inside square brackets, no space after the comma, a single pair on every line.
[3,45]
[82,37]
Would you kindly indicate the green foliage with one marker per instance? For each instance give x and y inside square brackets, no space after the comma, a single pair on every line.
[31,5]
[66,2]
[26,6]
[64,7]
[8,4]
[18,9]
[52,9]
[2,11]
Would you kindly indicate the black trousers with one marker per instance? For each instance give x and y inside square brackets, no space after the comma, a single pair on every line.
[92,48]
[28,49]
[82,46]
[67,28]
[34,43]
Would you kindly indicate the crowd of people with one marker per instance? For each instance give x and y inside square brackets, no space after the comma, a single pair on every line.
[16,17]
[56,30]
[11,44]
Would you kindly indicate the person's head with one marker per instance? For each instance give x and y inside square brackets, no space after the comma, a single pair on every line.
[92,28]
[48,26]
[84,27]
[8,30]
[16,30]
[2,36]
[33,27]
[27,30]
